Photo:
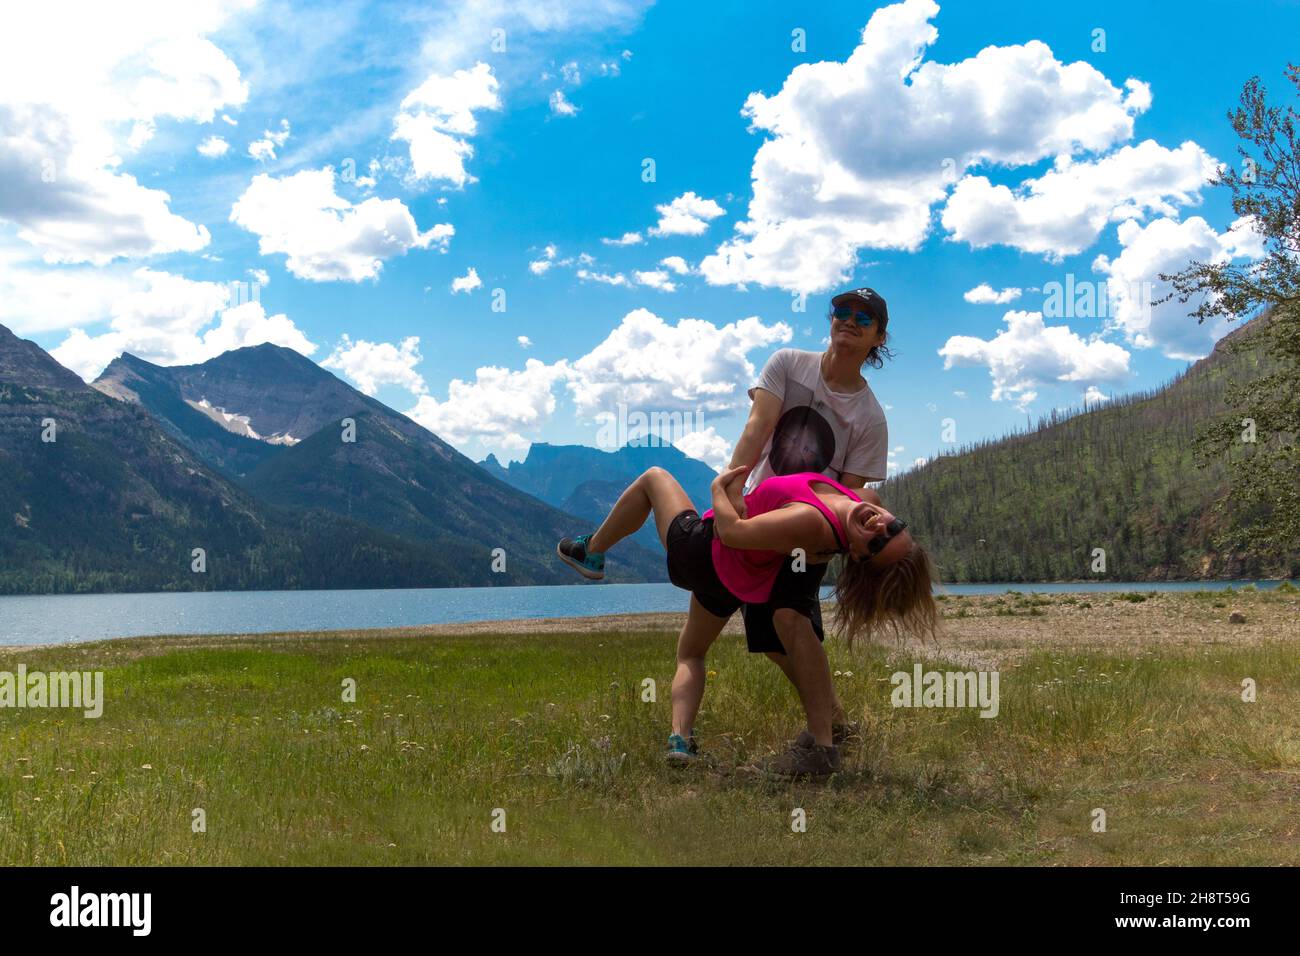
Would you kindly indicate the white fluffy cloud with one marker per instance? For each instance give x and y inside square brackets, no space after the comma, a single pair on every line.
[542,265]
[705,445]
[213,147]
[263,150]
[676,264]
[653,278]
[467,283]
[627,239]
[1028,354]
[1064,211]
[605,278]
[985,294]
[458,27]
[494,409]
[437,119]
[325,236]
[582,261]
[158,316]
[369,365]
[35,299]
[656,279]
[82,84]
[560,105]
[1133,281]
[647,363]
[687,215]
[644,363]
[248,324]
[860,151]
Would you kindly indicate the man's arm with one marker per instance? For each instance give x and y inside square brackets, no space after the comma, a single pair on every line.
[763,416]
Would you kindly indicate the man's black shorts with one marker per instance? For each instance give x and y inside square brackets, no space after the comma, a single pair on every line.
[690,563]
[799,591]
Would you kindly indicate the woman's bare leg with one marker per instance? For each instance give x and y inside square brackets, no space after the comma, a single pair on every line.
[701,629]
[654,490]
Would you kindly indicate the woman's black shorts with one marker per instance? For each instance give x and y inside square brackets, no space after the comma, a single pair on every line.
[690,563]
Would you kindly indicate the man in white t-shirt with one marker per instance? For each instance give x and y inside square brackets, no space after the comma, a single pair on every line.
[813,411]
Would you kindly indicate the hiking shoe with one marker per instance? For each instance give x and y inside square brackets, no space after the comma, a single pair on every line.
[573,552]
[841,734]
[682,751]
[802,761]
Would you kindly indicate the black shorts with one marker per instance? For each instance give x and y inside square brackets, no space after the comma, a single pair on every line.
[690,563]
[800,591]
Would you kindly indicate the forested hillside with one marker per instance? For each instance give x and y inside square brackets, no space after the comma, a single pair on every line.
[1122,477]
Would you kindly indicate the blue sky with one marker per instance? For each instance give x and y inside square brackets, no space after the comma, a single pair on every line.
[1001,144]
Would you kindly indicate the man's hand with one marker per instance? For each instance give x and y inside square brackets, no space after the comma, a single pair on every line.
[732,484]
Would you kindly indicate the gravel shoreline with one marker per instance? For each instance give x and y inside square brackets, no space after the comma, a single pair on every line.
[979,628]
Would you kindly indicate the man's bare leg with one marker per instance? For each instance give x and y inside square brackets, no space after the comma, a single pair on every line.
[838,714]
[808,669]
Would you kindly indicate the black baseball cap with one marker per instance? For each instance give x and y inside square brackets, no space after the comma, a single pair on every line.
[868,300]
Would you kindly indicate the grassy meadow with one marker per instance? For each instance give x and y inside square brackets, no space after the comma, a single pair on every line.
[1129,703]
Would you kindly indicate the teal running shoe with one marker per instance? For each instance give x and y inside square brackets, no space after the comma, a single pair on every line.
[682,751]
[574,553]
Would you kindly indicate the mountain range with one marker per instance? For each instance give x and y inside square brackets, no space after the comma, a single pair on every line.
[587,481]
[248,457]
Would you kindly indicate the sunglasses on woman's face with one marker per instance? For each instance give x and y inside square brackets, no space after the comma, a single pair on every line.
[877,544]
[844,313]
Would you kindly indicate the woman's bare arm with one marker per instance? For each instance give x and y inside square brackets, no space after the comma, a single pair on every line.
[782,530]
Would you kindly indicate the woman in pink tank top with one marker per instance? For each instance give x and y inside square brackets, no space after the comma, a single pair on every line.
[749,573]
[725,560]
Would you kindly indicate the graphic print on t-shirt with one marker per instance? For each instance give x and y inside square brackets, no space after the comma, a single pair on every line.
[803,439]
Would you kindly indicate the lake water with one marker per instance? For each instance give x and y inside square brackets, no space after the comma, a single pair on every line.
[62,619]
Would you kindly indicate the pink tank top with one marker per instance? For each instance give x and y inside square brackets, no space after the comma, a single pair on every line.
[749,574]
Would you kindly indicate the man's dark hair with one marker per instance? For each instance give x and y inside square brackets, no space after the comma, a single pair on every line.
[876,357]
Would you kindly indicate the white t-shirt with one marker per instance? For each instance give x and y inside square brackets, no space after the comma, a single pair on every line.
[819,430]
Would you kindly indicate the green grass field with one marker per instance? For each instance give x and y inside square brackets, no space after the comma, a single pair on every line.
[552,729]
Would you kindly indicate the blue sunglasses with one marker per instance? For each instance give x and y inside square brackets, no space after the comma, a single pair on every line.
[843,313]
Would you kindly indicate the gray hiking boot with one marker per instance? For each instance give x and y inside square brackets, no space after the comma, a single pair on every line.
[841,734]
[806,760]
